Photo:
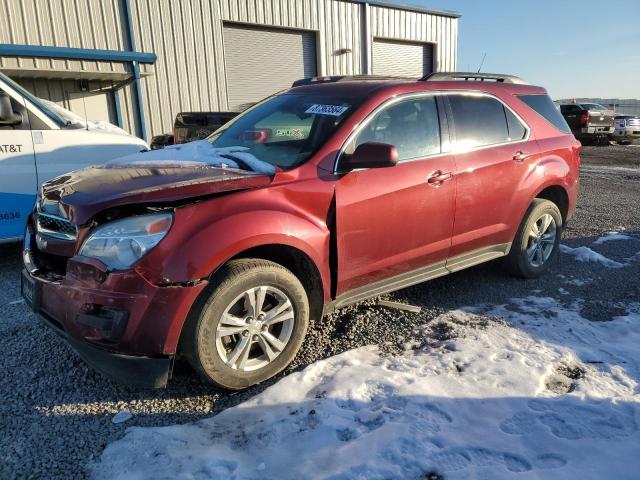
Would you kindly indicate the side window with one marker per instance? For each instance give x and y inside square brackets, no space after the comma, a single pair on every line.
[20,109]
[411,125]
[517,130]
[478,121]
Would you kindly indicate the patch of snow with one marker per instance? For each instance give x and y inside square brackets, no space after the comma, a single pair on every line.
[122,416]
[197,153]
[611,236]
[487,404]
[585,254]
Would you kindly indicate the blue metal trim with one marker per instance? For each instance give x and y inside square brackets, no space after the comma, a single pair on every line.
[139,100]
[43,51]
[116,104]
[137,87]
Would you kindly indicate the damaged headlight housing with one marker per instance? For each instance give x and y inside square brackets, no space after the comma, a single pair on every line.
[121,243]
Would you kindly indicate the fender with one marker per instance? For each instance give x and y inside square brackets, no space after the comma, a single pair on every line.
[186,257]
[548,171]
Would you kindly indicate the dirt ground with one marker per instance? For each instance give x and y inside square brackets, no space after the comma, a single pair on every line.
[613,155]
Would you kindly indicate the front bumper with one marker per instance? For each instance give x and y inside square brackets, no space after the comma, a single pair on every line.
[595,131]
[627,132]
[120,323]
[135,371]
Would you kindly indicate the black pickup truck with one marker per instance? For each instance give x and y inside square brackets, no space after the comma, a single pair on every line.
[589,122]
[190,126]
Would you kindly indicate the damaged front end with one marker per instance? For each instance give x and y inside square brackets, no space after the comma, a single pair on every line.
[119,322]
[83,249]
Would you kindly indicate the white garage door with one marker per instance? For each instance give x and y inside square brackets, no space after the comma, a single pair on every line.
[262,61]
[402,59]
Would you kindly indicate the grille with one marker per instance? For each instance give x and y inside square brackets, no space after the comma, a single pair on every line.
[56,226]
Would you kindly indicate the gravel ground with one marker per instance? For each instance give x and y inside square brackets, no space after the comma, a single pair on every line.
[55,414]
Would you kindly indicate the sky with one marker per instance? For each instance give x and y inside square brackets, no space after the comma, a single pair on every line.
[573,48]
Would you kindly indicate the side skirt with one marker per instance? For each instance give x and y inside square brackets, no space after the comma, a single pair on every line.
[439,269]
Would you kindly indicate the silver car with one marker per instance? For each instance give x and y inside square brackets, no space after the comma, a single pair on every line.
[627,128]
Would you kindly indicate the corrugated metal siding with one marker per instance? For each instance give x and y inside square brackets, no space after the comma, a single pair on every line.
[186,35]
[190,71]
[61,90]
[262,61]
[402,59]
[421,27]
[62,23]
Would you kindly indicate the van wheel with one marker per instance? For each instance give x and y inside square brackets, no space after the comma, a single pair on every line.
[537,241]
[251,325]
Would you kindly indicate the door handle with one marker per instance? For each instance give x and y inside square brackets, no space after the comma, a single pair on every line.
[521,156]
[438,177]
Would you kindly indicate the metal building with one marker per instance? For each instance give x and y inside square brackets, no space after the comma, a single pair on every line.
[137,63]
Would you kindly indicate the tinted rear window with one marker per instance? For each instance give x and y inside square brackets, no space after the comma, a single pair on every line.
[545,107]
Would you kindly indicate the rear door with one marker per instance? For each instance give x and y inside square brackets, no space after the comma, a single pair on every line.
[392,221]
[18,176]
[493,153]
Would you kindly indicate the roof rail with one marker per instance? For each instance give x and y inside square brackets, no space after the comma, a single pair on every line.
[346,78]
[473,76]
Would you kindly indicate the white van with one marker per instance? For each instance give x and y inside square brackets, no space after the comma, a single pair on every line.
[39,141]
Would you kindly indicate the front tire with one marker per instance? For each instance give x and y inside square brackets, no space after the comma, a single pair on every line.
[251,325]
[537,241]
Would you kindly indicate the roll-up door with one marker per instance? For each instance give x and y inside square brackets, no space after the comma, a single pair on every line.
[262,61]
[402,59]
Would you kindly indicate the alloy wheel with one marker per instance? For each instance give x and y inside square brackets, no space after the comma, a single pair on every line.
[255,328]
[541,240]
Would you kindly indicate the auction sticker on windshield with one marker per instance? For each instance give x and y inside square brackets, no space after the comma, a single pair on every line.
[333,110]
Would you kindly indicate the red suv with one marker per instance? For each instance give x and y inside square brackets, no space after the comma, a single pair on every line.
[337,190]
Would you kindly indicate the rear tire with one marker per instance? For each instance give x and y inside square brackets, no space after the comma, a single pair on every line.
[537,241]
[250,326]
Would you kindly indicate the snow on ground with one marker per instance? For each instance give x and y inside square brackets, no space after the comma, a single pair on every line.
[525,390]
[611,236]
[585,254]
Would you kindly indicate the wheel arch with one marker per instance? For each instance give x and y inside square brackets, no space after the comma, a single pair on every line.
[559,196]
[297,262]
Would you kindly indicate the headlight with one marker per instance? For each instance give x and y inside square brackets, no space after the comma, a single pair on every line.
[121,243]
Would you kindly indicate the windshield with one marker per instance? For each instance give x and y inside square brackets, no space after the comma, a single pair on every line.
[285,130]
[593,106]
[34,100]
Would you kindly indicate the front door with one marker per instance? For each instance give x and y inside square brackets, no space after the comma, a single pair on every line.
[18,176]
[395,220]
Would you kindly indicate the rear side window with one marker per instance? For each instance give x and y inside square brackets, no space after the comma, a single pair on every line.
[478,121]
[517,131]
[545,107]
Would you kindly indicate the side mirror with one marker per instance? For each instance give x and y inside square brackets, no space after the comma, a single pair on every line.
[371,155]
[8,117]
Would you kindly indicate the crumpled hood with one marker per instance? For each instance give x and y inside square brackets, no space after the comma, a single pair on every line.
[79,195]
